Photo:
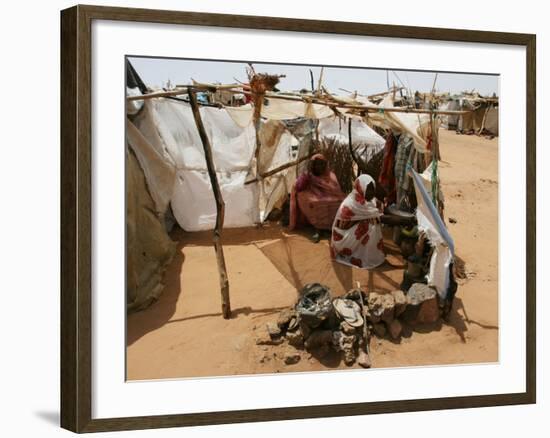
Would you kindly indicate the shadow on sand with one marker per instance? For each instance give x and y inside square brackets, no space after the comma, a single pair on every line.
[300,261]
[455,320]
[160,312]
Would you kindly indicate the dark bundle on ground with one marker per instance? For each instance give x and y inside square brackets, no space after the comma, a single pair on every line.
[340,162]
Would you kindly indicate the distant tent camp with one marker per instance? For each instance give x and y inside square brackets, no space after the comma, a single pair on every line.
[481,118]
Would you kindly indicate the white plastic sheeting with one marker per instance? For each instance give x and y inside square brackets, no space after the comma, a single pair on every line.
[277,145]
[414,124]
[431,223]
[133,106]
[169,128]
[172,156]
[159,171]
[169,125]
[194,206]
[336,129]
[232,146]
[279,109]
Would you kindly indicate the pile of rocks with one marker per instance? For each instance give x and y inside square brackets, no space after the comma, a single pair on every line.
[387,311]
[322,325]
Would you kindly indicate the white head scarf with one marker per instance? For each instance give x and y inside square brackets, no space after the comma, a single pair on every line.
[355,206]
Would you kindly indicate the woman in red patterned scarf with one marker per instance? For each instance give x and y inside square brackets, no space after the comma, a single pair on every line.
[356,232]
[315,197]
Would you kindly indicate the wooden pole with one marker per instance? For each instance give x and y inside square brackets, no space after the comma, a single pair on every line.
[435,138]
[257,126]
[350,142]
[316,100]
[319,85]
[220,205]
[435,158]
[484,118]
[283,167]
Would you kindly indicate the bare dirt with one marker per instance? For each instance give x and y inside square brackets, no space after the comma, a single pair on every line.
[184,334]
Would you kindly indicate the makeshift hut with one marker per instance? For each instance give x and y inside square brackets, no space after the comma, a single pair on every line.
[209,167]
[480,114]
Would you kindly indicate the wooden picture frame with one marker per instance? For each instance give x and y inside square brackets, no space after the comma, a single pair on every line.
[76,201]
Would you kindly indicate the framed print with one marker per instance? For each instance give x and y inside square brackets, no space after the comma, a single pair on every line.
[268,218]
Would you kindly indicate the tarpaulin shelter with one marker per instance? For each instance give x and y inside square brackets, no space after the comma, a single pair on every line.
[183,157]
[167,170]
[480,116]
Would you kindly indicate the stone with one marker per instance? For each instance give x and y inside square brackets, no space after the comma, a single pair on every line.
[295,339]
[273,330]
[429,312]
[291,358]
[349,357]
[422,305]
[367,314]
[342,341]
[345,344]
[379,330]
[363,360]
[321,352]
[285,317]
[264,338]
[420,292]
[395,328]
[381,307]
[400,301]
[318,338]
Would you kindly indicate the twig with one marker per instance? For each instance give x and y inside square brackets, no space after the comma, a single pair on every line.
[282,167]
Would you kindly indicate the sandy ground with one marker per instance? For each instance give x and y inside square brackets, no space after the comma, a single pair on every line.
[184,335]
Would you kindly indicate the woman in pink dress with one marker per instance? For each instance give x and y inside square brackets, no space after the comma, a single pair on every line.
[315,197]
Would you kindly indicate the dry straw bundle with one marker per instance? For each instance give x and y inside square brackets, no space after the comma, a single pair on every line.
[340,162]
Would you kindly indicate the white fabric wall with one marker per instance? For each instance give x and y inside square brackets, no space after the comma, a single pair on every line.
[170,128]
[169,125]
[414,124]
[174,144]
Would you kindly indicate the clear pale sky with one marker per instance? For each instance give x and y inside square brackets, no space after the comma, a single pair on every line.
[155,72]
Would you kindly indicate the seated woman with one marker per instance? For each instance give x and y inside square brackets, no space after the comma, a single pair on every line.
[315,197]
[356,233]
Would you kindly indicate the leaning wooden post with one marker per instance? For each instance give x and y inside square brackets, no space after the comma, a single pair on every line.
[259,83]
[435,158]
[435,137]
[350,144]
[220,206]
[257,115]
